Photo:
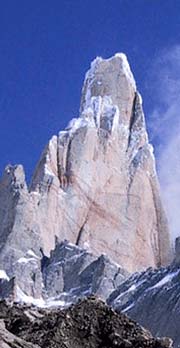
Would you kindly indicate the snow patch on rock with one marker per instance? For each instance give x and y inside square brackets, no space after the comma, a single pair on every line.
[77,123]
[31,253]
[25,260]
[3,275]
[165,280]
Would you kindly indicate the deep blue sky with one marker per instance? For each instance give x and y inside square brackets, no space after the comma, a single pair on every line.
[46,48]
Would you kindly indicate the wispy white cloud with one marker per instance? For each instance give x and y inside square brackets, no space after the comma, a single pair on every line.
[164,126]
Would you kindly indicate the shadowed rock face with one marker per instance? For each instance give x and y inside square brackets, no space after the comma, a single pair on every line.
[95,184]
[90,324]
[71,273]
[177,252]
[68,274]
[152,298]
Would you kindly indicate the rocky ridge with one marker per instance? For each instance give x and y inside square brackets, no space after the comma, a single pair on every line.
[68,274]
[90,323]
[152,298]
[71,273]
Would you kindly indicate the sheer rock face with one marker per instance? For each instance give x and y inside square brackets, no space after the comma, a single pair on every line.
[95,184]
[19,230]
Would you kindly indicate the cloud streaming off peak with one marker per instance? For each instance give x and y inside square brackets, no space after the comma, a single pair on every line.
[164,128]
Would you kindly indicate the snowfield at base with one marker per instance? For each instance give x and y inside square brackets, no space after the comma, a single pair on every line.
[39,302]
[56,303]
[23,298]
[3,275]
[64,299]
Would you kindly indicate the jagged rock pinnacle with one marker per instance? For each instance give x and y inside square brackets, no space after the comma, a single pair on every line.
[110,79]
[95,184]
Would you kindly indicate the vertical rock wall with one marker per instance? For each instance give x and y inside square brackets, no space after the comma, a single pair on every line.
[95,184]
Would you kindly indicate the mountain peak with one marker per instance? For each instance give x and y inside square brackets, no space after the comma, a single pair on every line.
[110,80]
[120,63]
[95,184]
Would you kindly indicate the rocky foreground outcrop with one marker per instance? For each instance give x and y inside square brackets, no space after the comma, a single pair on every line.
[90,323]
[95,184]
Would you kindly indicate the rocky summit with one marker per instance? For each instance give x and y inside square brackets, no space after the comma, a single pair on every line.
[90,323]
[95,184]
